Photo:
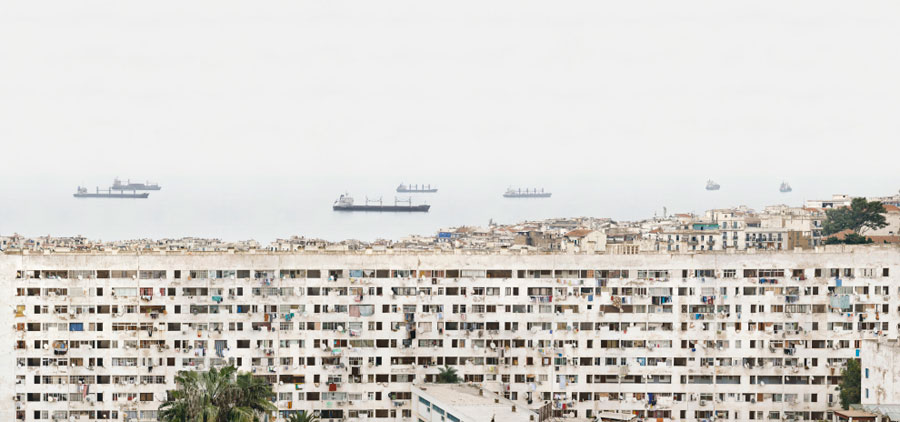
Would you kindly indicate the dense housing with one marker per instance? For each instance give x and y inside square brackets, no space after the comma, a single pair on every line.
[755,335]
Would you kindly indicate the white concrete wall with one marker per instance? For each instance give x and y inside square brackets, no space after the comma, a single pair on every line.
[880,372]
[720,327]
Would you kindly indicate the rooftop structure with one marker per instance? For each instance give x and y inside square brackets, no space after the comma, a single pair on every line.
[467,403]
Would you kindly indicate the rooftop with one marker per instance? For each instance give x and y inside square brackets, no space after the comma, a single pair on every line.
[855,414]
[476,404]
[892,411]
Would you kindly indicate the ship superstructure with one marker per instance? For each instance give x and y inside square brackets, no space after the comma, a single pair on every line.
[128,185]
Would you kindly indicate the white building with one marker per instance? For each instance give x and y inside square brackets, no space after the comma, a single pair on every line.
[880,372]
[756,335]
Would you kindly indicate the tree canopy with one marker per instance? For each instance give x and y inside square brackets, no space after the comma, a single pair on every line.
[850,239]
[859,216]
[447,375]
[850,382]
[303,416]
[219,395]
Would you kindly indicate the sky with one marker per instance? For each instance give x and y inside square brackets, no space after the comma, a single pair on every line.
[255,116]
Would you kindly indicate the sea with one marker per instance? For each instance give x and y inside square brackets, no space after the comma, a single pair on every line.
[240,208]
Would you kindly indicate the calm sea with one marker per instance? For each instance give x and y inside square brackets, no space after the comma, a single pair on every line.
[235,209]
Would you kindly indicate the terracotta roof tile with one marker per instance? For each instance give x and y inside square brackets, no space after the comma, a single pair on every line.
[578,233]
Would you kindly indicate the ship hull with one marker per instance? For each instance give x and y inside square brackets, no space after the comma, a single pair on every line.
[536,195]
[112,195]
[384,208]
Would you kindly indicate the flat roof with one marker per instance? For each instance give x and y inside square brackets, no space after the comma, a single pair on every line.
[892,411]
[466,401]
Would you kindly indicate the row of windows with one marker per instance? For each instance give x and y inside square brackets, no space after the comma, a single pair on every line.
[338,273]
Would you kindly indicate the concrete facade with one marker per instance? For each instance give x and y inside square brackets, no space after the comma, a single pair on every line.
[880,372]
[740,336]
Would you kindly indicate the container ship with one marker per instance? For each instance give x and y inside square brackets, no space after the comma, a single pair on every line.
[345,203]
[118,185]
[109,193]
[526,193]
[415,189]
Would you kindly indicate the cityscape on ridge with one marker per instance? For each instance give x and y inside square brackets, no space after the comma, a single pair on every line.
[731,314]
[776,227]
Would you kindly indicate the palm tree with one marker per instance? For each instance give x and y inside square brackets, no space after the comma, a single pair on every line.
[448,375]
[303,416]
[219,395]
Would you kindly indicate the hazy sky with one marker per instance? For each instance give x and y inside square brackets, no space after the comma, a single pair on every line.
[233,102]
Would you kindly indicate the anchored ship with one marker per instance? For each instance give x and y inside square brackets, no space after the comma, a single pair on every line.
[345,203]
[118,185]
[415,189]
[785,187]
[109,193]
[526,193]
[710,185]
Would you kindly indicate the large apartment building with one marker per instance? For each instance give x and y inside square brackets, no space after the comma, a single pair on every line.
[755,335]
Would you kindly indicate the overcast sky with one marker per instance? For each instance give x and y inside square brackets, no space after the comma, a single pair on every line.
[262,96]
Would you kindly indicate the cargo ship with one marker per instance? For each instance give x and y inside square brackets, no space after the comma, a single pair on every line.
[109,193]
[526,193]
[710,185]
[415,189]
[345,203]
[785,187]
[118,185]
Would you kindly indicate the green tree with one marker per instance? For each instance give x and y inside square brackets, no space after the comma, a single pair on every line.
[849,386]
[448,375]
[218,395]
[850,239]
[859,216]
[303,416]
